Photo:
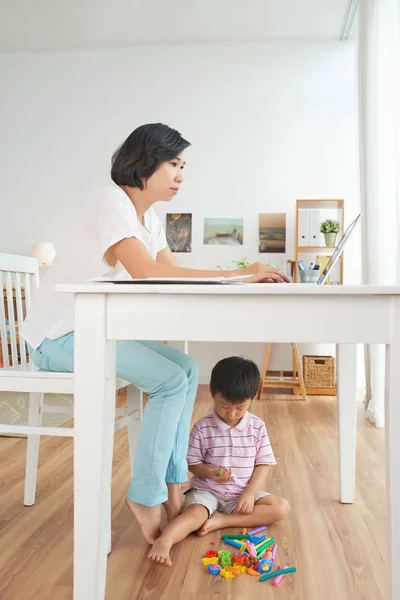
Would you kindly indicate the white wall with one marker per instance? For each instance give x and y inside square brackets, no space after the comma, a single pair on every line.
[269,122]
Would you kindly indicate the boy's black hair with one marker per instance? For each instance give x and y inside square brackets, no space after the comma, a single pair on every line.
[143,151]
[235,378]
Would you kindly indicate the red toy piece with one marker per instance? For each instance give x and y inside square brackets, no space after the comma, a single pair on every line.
[239,558]
[210,554]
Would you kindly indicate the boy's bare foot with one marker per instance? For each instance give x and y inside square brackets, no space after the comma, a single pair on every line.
[148,518]
[172,508]
[160,552]
[217,521]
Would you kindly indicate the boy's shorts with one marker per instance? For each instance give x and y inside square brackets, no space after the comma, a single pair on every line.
[212,503]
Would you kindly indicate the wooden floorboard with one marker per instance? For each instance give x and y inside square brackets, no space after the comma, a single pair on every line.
[339,550]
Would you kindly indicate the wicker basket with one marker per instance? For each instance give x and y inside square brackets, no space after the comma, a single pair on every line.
[319,371]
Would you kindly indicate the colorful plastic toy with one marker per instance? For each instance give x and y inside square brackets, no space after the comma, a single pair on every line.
[227,574]
[226,561]
[276,573]
[224,555]
[212,560]
[257,540]
[274,551]
[262,528]
[239,558]
[264,547]
[233,543]
[235,570]
[265,566]
[214,569]
[252,549]
[242,568]
[254,555]
[278,579]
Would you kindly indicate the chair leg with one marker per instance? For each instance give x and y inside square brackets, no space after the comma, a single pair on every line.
[32,450]
[135,403]
[299,371]
[264,370]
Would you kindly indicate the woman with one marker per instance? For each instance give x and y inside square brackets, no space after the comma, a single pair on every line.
[117,228]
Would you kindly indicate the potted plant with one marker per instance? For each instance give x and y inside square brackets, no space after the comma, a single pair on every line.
[243,263]
[330,230]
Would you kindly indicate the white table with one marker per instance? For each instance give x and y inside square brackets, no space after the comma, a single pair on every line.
[345,315]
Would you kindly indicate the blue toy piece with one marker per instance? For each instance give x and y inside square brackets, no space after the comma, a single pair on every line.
[233,543]
[264,566]
[214,569]
[255,539]
[258,540]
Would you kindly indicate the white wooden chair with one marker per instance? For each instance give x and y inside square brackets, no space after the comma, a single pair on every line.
[20,274]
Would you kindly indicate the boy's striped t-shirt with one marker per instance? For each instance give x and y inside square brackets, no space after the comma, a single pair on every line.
[214,443]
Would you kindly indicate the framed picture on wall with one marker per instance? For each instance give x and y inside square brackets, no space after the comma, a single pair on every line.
[272,233]
[226,232]
[179,232]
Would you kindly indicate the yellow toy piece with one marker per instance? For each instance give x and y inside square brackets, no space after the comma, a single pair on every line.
[207,561]
[233,570]
[242,568]
[226,574]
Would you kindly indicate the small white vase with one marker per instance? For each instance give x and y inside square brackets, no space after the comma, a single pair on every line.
[330,239]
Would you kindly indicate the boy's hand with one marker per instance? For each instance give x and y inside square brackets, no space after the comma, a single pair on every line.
[245,506]
[218,478]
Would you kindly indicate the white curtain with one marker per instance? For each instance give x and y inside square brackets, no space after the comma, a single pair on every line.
[379,141]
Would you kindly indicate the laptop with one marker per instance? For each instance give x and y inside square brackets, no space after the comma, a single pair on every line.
[338,251]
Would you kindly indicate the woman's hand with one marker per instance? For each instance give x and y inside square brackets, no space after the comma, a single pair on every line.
[262,274]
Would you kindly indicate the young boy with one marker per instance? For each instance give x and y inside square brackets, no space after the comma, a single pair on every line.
[237,441]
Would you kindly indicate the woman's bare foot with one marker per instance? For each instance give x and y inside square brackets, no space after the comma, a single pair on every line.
[160,552]
[217,521]
[148,518]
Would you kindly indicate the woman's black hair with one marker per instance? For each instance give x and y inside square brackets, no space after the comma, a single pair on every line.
[143,152]
[235,378]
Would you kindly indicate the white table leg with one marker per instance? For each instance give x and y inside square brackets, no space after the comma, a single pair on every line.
[392,436]
[347,419]
[94,408]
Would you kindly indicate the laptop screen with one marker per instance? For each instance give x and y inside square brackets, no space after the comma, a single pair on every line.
[338,251]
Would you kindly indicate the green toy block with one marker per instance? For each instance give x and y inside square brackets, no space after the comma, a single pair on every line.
[226,562]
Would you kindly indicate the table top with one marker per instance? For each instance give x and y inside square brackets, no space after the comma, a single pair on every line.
[231,289]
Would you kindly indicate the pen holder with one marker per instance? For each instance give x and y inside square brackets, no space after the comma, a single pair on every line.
[309,276]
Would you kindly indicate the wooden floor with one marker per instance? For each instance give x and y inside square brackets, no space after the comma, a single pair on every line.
[339,550]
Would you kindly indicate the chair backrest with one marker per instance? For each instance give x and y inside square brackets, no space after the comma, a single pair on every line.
[19,278]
